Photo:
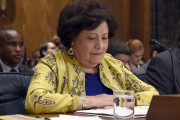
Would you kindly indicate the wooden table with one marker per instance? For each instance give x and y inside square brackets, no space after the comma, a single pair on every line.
[56,115]
[162,107]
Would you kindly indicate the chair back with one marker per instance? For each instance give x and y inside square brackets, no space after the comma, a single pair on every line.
[13,90]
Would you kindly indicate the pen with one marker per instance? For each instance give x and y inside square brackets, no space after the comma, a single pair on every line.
[45,118]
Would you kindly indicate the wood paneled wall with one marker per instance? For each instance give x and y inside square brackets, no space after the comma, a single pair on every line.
[37,20]
[133,17]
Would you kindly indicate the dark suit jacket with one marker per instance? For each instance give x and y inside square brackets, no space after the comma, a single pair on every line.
[160,72]
[141,72]
[22,69]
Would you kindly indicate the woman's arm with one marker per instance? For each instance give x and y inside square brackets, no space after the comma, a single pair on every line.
[143,91]
[42,96]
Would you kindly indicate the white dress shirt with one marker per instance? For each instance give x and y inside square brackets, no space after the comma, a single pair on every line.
[6,68]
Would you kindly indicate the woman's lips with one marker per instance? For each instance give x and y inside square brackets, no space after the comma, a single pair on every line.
[97,53]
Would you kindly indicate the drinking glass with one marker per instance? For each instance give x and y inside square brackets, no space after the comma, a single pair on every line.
[124,101]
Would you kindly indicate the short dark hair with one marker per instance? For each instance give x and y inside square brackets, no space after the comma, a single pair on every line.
[42,48]
[83,15]
[178,35]
[118,47]
[3,33]
[166,42]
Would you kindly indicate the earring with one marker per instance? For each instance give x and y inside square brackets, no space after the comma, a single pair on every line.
[70,51]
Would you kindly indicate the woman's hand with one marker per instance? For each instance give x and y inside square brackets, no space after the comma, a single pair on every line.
[99,101]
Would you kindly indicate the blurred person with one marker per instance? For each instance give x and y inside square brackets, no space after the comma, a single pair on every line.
[119,50]
[84,76]
[137,51]
[36,58]
[26,60]
[12,51]
[47,47]
[155,49]
[30,63]
[58,43]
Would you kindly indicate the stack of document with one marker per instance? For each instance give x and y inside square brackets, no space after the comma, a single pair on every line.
[140,111]
[71,117]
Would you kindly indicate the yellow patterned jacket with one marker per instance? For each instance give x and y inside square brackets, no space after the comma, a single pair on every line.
[59,80]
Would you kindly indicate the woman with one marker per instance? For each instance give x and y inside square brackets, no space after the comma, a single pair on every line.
[83,77]
[137,51]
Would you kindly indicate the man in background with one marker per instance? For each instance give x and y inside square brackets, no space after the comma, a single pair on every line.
[160,72]
[155,49]
[119,50]
[36,58]
[47,47]
[12,51]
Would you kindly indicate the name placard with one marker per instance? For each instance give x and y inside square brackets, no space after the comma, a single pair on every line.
[164,107]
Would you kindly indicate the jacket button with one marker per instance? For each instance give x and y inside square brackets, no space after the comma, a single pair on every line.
[81,73]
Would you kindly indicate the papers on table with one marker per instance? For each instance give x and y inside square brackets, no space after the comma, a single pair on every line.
[71,117]
[100,112]
[140,111]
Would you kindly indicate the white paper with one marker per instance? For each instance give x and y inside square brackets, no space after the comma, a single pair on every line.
[71,117]
[55,118]
[140,111]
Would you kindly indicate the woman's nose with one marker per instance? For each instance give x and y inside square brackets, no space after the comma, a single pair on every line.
[99,44]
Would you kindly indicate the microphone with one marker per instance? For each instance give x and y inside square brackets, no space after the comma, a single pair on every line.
[155,42]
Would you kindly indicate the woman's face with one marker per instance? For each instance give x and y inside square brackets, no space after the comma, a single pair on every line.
[90,46]
[137,56]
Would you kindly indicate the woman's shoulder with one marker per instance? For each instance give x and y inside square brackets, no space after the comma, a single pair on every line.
[108,56]
[110,59]
[53,57]
[53,60]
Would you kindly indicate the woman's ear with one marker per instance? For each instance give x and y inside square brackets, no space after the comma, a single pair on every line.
[72,43]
